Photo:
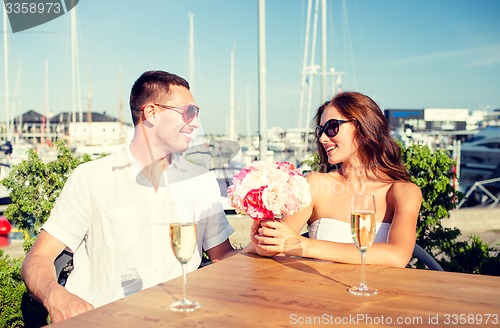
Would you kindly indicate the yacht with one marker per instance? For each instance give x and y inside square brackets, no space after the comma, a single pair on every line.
[482,151]
[480,156]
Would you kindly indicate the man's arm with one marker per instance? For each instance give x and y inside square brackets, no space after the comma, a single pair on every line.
[221,251]
[38,273]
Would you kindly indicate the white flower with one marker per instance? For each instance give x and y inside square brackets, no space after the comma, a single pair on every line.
[300,189]
[283,190]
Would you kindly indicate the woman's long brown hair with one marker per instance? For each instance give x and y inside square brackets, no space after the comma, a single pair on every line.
[378,151]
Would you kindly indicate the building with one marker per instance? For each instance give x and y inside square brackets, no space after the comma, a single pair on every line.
[435,127]
[430,119]
[92,129]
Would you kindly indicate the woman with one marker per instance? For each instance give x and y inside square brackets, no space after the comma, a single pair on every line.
[353,134]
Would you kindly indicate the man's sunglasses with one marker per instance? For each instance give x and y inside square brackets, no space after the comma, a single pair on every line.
[188,112]
[331,128]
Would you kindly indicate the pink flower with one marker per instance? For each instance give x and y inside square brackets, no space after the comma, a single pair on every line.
[287,167]
[254,206]
[264,190]
[242,174]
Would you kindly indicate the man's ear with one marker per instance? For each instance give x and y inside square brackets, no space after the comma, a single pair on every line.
[149,111]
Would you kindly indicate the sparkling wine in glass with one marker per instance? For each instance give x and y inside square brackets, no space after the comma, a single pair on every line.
[363,228]
[183,242]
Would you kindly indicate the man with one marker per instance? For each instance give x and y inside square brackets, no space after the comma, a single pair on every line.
[112,212]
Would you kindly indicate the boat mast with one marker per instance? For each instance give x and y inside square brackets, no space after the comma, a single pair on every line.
[89,104]
[324,82]
[262,82]
[73,67]
[249,140]
[311,71]
[75,71]
[191,50]
[232,133]
[120,106]
[303,81]
[16,102]
[6,74]
[46,128]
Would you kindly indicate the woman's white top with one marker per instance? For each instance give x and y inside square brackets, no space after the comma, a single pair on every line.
[340,231]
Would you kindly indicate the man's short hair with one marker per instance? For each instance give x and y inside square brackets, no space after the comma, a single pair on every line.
[150,86]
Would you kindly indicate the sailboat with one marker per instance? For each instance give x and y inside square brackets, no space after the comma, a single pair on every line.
[310,70]
[5,167]
[95,134]
[6,76]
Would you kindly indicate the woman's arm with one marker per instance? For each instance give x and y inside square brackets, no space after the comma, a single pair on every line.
[406,199]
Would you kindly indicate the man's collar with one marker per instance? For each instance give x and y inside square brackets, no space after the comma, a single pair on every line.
[124,158]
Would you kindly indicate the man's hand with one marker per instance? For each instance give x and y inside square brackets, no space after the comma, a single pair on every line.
[63,305]
[38,273]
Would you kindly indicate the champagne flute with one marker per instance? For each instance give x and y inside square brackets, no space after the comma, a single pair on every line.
[363,228]
[183,242]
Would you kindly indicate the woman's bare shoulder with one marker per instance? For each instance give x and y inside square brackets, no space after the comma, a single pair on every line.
[406,189]
[322,184]
[319,177]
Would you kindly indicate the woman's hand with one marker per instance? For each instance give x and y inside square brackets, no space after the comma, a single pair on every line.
[254,232]
[275,236]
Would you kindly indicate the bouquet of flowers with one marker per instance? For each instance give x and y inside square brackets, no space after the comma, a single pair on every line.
[269,190]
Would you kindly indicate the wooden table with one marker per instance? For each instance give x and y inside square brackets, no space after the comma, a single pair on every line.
[249,291]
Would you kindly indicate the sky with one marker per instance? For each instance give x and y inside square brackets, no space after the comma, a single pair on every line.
[404,54]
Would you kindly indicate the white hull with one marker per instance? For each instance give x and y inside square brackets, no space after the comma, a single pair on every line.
[483,154]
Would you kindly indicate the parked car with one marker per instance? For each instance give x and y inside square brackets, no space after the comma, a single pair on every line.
[5,228]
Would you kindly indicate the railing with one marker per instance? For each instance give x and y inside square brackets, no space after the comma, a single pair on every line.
[480,185]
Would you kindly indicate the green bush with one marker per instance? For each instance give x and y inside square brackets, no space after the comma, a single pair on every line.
[432,172]
[34,186]
[11,291]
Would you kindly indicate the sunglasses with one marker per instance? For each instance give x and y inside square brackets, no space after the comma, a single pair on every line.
[331,128]
[188,112]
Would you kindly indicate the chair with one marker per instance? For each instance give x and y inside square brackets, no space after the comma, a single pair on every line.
[61,260]
[61,263]
[424,257]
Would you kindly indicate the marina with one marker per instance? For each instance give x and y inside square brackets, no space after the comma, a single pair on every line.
[322,73]
[476,151]
[257,71]
[470,135]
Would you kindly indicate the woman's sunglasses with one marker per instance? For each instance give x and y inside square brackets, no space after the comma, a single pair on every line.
[188,112]
[331,128]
